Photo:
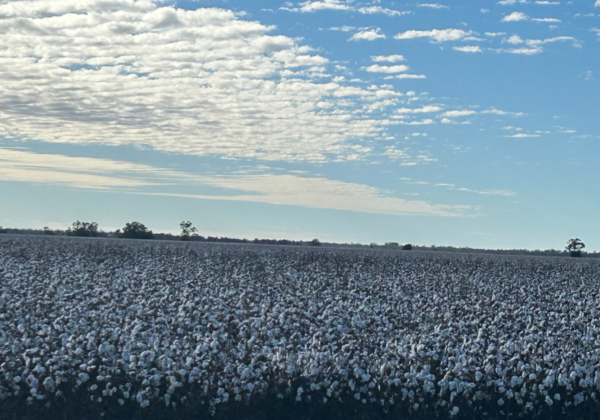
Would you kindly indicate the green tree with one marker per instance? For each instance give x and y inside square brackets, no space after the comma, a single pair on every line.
[3,230]
[47,231]
[85,229]
[187,230]
[575,247]
[315,242]
[135,230]
[407,247]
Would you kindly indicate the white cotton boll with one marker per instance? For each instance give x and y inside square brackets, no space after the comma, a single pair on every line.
[415,406]
[549,400]
[557,397]
[500,402]
[532,377]
[454,411]
[357,396]
[121,401]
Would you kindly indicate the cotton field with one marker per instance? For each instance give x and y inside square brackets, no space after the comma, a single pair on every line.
[125,329]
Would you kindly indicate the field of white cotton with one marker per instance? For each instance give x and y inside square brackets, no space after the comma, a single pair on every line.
[111,329]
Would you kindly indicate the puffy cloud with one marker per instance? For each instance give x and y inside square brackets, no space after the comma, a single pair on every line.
[376,68]
[514,39]
[597,4]
[438,35]
[545,2]
[200,82]
[367,35]
[469,49]
[523,135]
[515,17]
[313,6]
[387,58]
[78,172]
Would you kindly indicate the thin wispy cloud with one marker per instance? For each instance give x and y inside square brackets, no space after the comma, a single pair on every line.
[286,189]
[433,6]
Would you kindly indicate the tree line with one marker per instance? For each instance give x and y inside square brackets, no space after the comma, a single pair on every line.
[137,230]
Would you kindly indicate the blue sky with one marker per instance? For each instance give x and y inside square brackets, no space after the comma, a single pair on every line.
[471,124]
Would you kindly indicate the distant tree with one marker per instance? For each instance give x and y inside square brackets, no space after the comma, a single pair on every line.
[372,245]
[315,242]
[392,245]
[47,231]
[407,247]
[575,247]
[3,230]
[135,230]
[187,230]
[86,229]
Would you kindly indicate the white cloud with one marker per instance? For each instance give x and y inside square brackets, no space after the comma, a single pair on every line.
[376,68]
[515,39]
[495,33]
[545,41]
[553,20]
[469,49]
[422,122]
[370,10]
[424,109]
[505,193]
[458,113]
[500,112]
[597,4]
[367,35]
[438,35]
[316,6]
[515,17]
[524,51]
[433,6]
[407,76]
[510,2]
[545,2]
[198,82]
[523,135]
[342,28]
[388,58]
[78,172]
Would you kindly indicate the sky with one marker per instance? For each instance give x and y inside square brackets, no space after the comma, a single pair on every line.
[452,123]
